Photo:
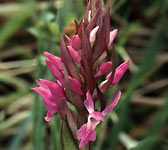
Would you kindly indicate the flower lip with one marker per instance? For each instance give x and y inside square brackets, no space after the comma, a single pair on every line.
[98,116]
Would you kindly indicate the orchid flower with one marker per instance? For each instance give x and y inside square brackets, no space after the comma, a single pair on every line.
[75,43]
[87,132]
[84,59]
[119,72]
[104,68]
[75,55]
[51,94]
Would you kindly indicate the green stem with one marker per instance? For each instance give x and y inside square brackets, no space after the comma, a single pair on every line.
[87,147]
[67,140]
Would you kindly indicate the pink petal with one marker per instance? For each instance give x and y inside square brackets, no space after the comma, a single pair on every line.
[42,85]
[75,55]
[54,70]
[49,116]
[93,34]
[56,60]
[82,132]
[92,136]
[119,72]
[76,42]
[112,36]
[56,90]
[75,85]
[83,142]
[50,103]
[97,116]
[46,82]
[112,104]
[104,68]
[42,91]
[89,102]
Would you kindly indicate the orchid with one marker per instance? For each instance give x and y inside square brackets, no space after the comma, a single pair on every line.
[87,132]
[84,60]
[51,93]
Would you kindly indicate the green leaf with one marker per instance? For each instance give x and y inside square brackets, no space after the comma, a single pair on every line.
[159,121]
[55,133]
[147,68]
[6,100]
[38,128]
[14,23]
[63,13]
[79,8]
[146,144]
[68,142]
[17,140]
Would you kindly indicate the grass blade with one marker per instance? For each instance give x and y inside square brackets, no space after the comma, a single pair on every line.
[146,69]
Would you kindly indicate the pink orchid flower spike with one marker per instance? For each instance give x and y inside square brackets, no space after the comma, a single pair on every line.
[87,132]
[77,73]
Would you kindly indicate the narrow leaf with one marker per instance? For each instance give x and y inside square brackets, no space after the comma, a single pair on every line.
[67,140]
[146,144]
[101,98]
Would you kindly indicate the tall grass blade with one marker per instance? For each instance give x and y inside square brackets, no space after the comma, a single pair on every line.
[156,45]
[14,23]
[17,140]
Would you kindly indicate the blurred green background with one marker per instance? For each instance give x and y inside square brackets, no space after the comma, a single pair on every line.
[30,27]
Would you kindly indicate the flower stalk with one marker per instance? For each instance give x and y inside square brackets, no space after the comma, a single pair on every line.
[84,60]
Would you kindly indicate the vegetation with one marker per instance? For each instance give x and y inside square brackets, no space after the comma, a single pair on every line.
[30,27]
